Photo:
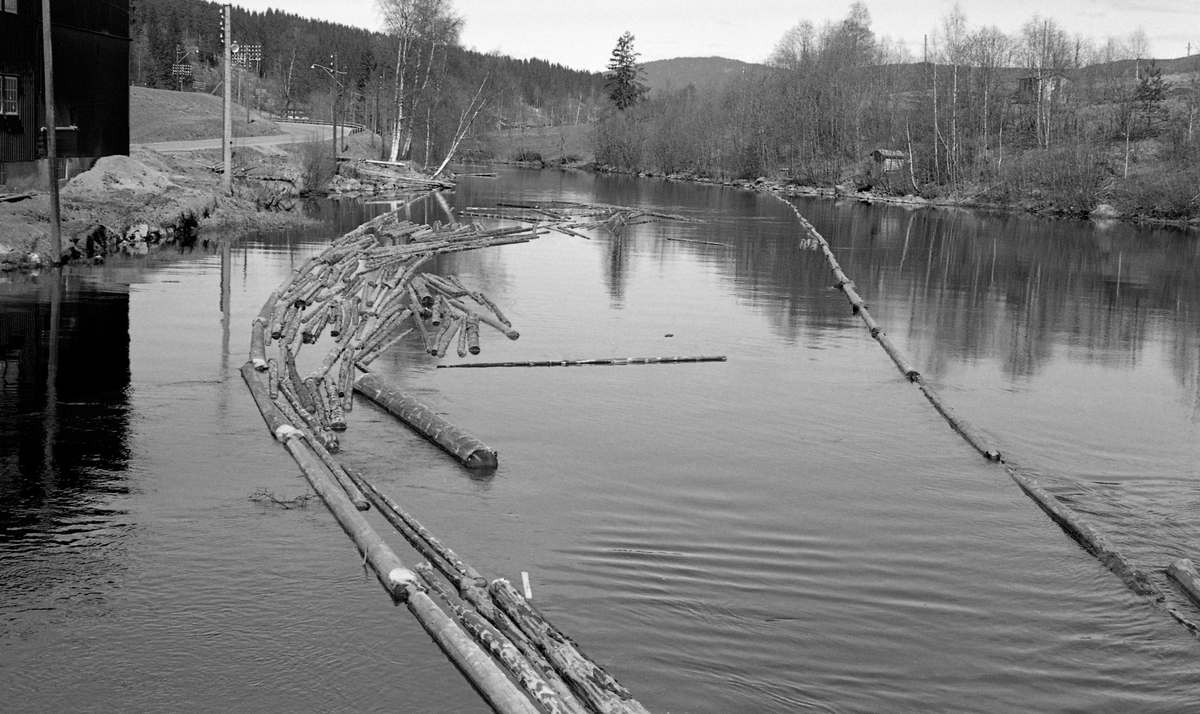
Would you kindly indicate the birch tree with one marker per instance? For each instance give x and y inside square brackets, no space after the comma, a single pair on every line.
[421,28]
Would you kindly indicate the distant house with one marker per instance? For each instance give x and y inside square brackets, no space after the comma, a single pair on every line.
[885,161]
[1048,86]
[91,86]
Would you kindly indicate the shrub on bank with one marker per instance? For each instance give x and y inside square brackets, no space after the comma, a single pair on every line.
[1172,195]
[317,166]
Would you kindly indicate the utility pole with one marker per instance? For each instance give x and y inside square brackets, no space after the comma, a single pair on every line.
[227,152]
[337,87]
[337,97]
[51,135]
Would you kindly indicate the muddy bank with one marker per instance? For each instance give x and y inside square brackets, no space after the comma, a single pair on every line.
[128,203]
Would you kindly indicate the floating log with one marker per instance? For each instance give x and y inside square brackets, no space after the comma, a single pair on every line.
[898,357]
[405,586]
[426,338]
[322,409]
[273,377]
[506,330]
[343,479]
[501,648]
[419,287]
[327,439]
[699,242]
[1087,536]
[337,415]
[590,681]
[370,356]
[463,347]
[432,549]
[346,383]
[270,413]
[1183,572]
[301,417]
[446,336]
[304,399]
[280,318]
[964,429]
[470,451]
[258,350]
[471,329]
[588,362]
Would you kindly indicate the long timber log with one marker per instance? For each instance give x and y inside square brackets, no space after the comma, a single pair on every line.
[1092,540]
[402,584]
[500,647]
[470,451]
[589,680]
[609,361]
[1070,521]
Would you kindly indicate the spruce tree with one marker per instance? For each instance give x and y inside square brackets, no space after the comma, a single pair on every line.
[623,75]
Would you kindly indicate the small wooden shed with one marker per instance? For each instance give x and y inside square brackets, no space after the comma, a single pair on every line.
[885,161]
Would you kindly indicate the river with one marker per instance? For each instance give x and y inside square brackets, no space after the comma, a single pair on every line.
[794,529]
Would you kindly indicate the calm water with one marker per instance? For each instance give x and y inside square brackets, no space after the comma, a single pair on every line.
[792,530]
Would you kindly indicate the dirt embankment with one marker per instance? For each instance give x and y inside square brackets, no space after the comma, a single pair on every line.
[131,202]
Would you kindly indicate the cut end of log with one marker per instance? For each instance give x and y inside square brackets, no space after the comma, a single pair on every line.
[482,459]
[402,581]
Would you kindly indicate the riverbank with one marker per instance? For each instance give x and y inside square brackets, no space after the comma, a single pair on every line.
[132,203]
[1043,207]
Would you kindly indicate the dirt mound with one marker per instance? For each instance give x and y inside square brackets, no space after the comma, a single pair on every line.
[119,173]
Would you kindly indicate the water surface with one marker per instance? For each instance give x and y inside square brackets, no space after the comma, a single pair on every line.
[793,529]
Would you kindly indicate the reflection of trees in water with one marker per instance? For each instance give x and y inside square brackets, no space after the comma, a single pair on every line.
[616,269]
[960,286]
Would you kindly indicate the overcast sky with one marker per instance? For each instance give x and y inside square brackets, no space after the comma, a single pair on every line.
[582,33]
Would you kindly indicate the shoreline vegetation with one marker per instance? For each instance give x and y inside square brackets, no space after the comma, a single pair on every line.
[1037,121]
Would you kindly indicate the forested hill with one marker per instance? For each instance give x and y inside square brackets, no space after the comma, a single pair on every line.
[169,32]
[703,73]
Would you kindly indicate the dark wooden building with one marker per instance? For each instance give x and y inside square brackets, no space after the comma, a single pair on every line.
[91,86]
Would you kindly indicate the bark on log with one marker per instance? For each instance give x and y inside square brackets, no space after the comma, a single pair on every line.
[590,681]
[1183,572]
[258,345]
[297,385]
[273,377]
[299,416]
[270,413]
[447,335]
[462,341]
[484,605]
[504,329]
[419,287]
[1088,537]
[337,415]
[470,451]
[343,479]
[588,362]
[346,383]
[964,429]
[425,542]
[472,332]
[370,356]
[501,693]
[500,647]
[898,358]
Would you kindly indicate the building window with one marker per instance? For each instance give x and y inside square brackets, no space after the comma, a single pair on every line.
[8,92]
[8,6]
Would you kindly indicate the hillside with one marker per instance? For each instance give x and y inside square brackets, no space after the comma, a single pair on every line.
[166,115]
[705,73]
